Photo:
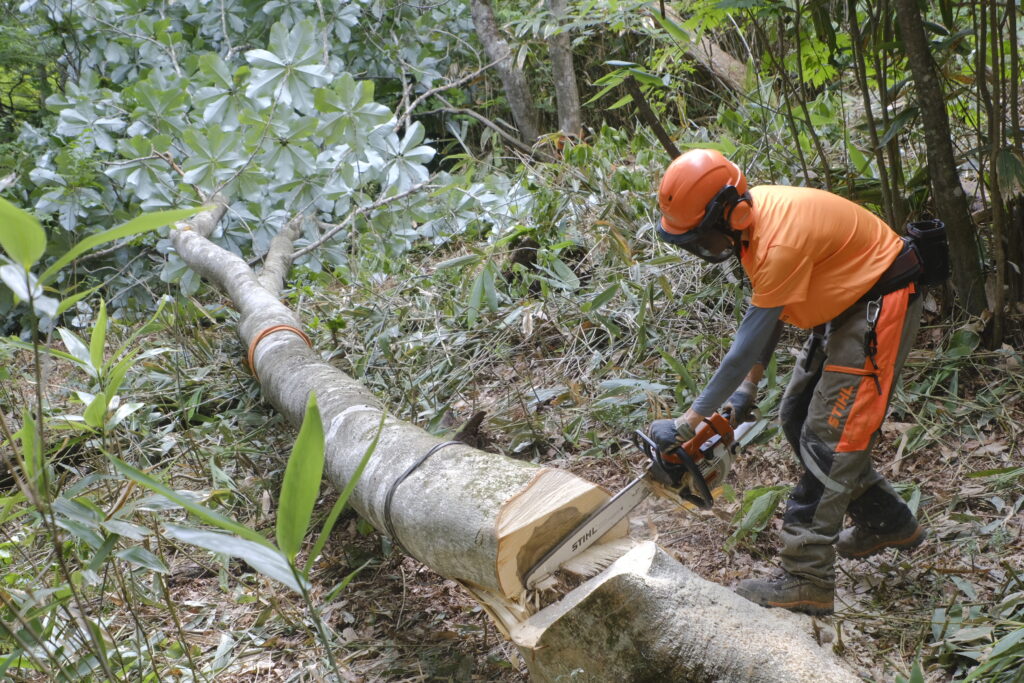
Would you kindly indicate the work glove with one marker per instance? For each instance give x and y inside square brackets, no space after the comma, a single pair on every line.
[670,434]
[741,403]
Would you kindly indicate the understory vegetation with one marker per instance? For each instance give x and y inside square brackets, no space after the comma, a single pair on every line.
[452,273]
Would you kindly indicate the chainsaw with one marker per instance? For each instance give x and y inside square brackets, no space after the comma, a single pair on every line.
[690,475]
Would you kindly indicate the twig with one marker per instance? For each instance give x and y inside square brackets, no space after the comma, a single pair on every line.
[448,86]
[514,142]
[279,257]
[649,118]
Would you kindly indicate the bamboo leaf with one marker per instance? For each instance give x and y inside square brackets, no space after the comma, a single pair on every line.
[489,292]
[475,297]
[201,511]
[141,557]
[136,226]
[98,339]
[21,235]
[343,497]
[265,559]
[301,486]
[96,411]
[464,260]
[673,29]
[602,298]
[898,123]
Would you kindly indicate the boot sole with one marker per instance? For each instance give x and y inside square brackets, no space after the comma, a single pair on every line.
[909,543]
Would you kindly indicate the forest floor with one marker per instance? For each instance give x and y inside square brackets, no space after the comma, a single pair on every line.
[956,457]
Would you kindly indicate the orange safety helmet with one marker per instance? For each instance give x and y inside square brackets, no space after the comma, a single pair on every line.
[704,204]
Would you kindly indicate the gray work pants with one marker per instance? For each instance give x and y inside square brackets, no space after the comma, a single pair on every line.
[831,414]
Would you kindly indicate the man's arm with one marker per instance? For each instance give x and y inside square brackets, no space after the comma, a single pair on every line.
[751,350]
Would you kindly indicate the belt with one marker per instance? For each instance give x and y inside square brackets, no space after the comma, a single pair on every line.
[906,268]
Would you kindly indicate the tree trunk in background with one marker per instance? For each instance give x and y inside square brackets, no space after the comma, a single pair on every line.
[948,195]
[564,74]
[513,80]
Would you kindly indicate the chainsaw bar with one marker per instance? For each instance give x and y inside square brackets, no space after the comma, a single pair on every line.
[604,519]
[600,522]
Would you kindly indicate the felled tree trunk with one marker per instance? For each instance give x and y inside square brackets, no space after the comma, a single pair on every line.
[648,618]
[483,520]
[473,516]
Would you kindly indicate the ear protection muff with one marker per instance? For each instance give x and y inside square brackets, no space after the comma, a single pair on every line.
[741,215]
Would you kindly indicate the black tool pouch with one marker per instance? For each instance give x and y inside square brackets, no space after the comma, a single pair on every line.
[929,238]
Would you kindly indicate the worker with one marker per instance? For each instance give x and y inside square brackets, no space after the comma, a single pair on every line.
[825,264]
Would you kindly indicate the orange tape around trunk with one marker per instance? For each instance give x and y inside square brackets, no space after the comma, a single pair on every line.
[868,409]
[267,332]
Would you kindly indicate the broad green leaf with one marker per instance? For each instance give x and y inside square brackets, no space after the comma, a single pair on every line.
[301,486]
[136,226]
[489,292]
[1010,170]
[343,497]
[673,29]
[70,301]
[18,280]
[77,348]
[265,559]
[757,510]
[621,102]
[963,343]
[21,235]
[141,557]
[31,452]
[898,123]
[201,511]
[98,338]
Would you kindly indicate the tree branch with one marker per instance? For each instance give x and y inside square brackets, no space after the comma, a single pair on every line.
[352,216]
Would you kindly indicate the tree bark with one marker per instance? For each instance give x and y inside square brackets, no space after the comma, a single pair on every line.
[563,73]
[513,80]
[730,71]
[948,195]
[648,618]
[483,519]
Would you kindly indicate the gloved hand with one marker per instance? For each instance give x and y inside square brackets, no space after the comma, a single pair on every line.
[741,403]
[670,434]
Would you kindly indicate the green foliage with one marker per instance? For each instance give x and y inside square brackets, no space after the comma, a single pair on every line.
[301,486]
[754,514]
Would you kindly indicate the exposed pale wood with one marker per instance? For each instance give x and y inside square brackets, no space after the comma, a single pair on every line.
[527,528]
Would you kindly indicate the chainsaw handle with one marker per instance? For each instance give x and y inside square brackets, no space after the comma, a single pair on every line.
[704,500]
